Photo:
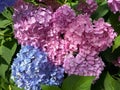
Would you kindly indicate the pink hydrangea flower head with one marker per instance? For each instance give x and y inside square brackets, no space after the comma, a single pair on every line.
[59,44]
[62,17]
[114,5]
[85,63]
[101,36]
[55,49]
[31,24]
[87,7]
[75,31]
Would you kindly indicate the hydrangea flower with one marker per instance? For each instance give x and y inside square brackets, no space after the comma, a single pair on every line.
[31,23]
[6,3]
[87,7]
[56,50]
[85,63]
[114,5]
[86,41]
[75,32]
[68,36]
[55,44]
[62,17]
[101,36]
[31,68]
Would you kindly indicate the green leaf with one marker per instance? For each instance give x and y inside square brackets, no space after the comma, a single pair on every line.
[101,11]
[116,43]
[100,1]
[6,32]
[7,50]
[45,87]
[74,82]
[2,17]
[99,84]
[61,1]
[113,20]
[110,83]
[7,14]
[11,87]
[4,23]
[2,61]
[33,2]
[3,69]
[3,84]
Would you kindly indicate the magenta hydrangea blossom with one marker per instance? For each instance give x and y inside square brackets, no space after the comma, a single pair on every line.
[75,31]
[31,23]
[69,37]
[62,17]
[114,5]
[101,36]
[85,63]
[56,50]
[55,44]
[86,40]
[88,6]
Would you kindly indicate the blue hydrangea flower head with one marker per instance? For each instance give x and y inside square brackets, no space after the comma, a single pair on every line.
[6,3]
[31,68]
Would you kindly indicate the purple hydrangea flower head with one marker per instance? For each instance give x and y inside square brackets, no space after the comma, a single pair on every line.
[55,45]
[75,32]
[101,36]
[87,7]
[79,32]
[85,63]
[62,17]
[6,3]
[31,68]
[31,23]
[114,5]
[56,50]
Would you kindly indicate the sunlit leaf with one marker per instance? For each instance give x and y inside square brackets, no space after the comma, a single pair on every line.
[116,43]
[74,82]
